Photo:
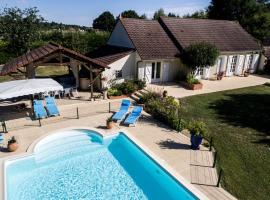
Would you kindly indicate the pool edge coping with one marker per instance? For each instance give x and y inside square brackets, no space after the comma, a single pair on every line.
[163,164]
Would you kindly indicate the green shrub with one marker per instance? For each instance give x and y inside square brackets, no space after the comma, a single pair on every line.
[191,79]
[197,128]
[127,87]
[267,84]
[165,110]
[146,97]
[114,92]
[140,84]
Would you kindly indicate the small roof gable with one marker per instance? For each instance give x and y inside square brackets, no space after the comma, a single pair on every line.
[108,54]
[150,39]
[36,55]
[226,35]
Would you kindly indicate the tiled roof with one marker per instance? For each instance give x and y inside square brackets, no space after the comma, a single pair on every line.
[150,39]
[109,54]
[36,55]
[226,35]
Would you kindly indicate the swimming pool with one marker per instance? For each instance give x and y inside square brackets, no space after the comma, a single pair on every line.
[82,165]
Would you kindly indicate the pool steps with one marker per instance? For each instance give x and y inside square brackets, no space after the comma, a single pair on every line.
[63,145]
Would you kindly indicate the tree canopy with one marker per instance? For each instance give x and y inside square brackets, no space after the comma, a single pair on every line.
[159,13]
[200,54]
[104,22]
[19,28]
[253,15]
[132,14]
[201,14]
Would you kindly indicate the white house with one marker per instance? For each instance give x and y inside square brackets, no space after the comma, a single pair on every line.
[150,50]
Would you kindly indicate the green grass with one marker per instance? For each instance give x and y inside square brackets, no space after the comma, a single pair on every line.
[51,71]
[41,72]
[5,79]
[239,122]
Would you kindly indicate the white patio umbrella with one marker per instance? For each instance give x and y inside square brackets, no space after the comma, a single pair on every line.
[19,88]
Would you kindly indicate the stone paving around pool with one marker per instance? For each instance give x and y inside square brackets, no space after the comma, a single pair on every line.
[170,147]
[209,86]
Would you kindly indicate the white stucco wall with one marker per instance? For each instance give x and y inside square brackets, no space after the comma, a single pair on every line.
[126,64]
[225,63]
[174,68]
[119,37]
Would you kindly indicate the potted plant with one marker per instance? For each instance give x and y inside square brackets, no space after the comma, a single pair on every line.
[246,73]
[165,93]
[109,123]
[197,130]
[220,75]
[12,144]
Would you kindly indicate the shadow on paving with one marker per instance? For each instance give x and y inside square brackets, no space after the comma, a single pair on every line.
[170,144]
[246,110]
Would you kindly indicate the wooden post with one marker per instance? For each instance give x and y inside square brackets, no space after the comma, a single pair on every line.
[215,159]
[91,83]
[78,117]
[30,71]
[4,126]
[211,144]
[219,177]
[39,121]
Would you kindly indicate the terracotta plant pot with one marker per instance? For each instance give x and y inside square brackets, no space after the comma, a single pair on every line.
[13,147]
[109,125]
[186,85]
[118,97]
[246,74]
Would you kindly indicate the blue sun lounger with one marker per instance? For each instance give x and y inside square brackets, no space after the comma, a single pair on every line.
[133,116]
[51,107]
[119,116]
[39,110]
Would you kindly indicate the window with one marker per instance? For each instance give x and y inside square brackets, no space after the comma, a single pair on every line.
[201,71]
[233,64]
[250,59]
[118,73]
[158,70]
[153,70]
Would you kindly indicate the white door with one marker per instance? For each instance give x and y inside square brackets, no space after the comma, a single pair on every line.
[199,72]
[255,63]
[219,65]
[141,72]
[148,72]
[156,72]
[166,72]
[206,73]
[231,65]
[240,65]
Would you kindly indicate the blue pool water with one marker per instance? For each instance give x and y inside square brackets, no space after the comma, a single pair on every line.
[85,166]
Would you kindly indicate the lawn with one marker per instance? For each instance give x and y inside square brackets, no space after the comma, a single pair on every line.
[239,122]
[41,72]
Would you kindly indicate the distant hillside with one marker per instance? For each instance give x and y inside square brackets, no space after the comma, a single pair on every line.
[60,26]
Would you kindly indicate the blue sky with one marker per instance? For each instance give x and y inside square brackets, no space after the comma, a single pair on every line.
[82,12]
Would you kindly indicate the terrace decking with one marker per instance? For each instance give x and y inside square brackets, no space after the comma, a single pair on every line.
[170,147]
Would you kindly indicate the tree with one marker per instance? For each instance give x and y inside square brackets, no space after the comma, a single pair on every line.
[173,15]
[130,14]
[104,22]
[253,15]
[201,14]
[201,54]
[159,13]
[19,28]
